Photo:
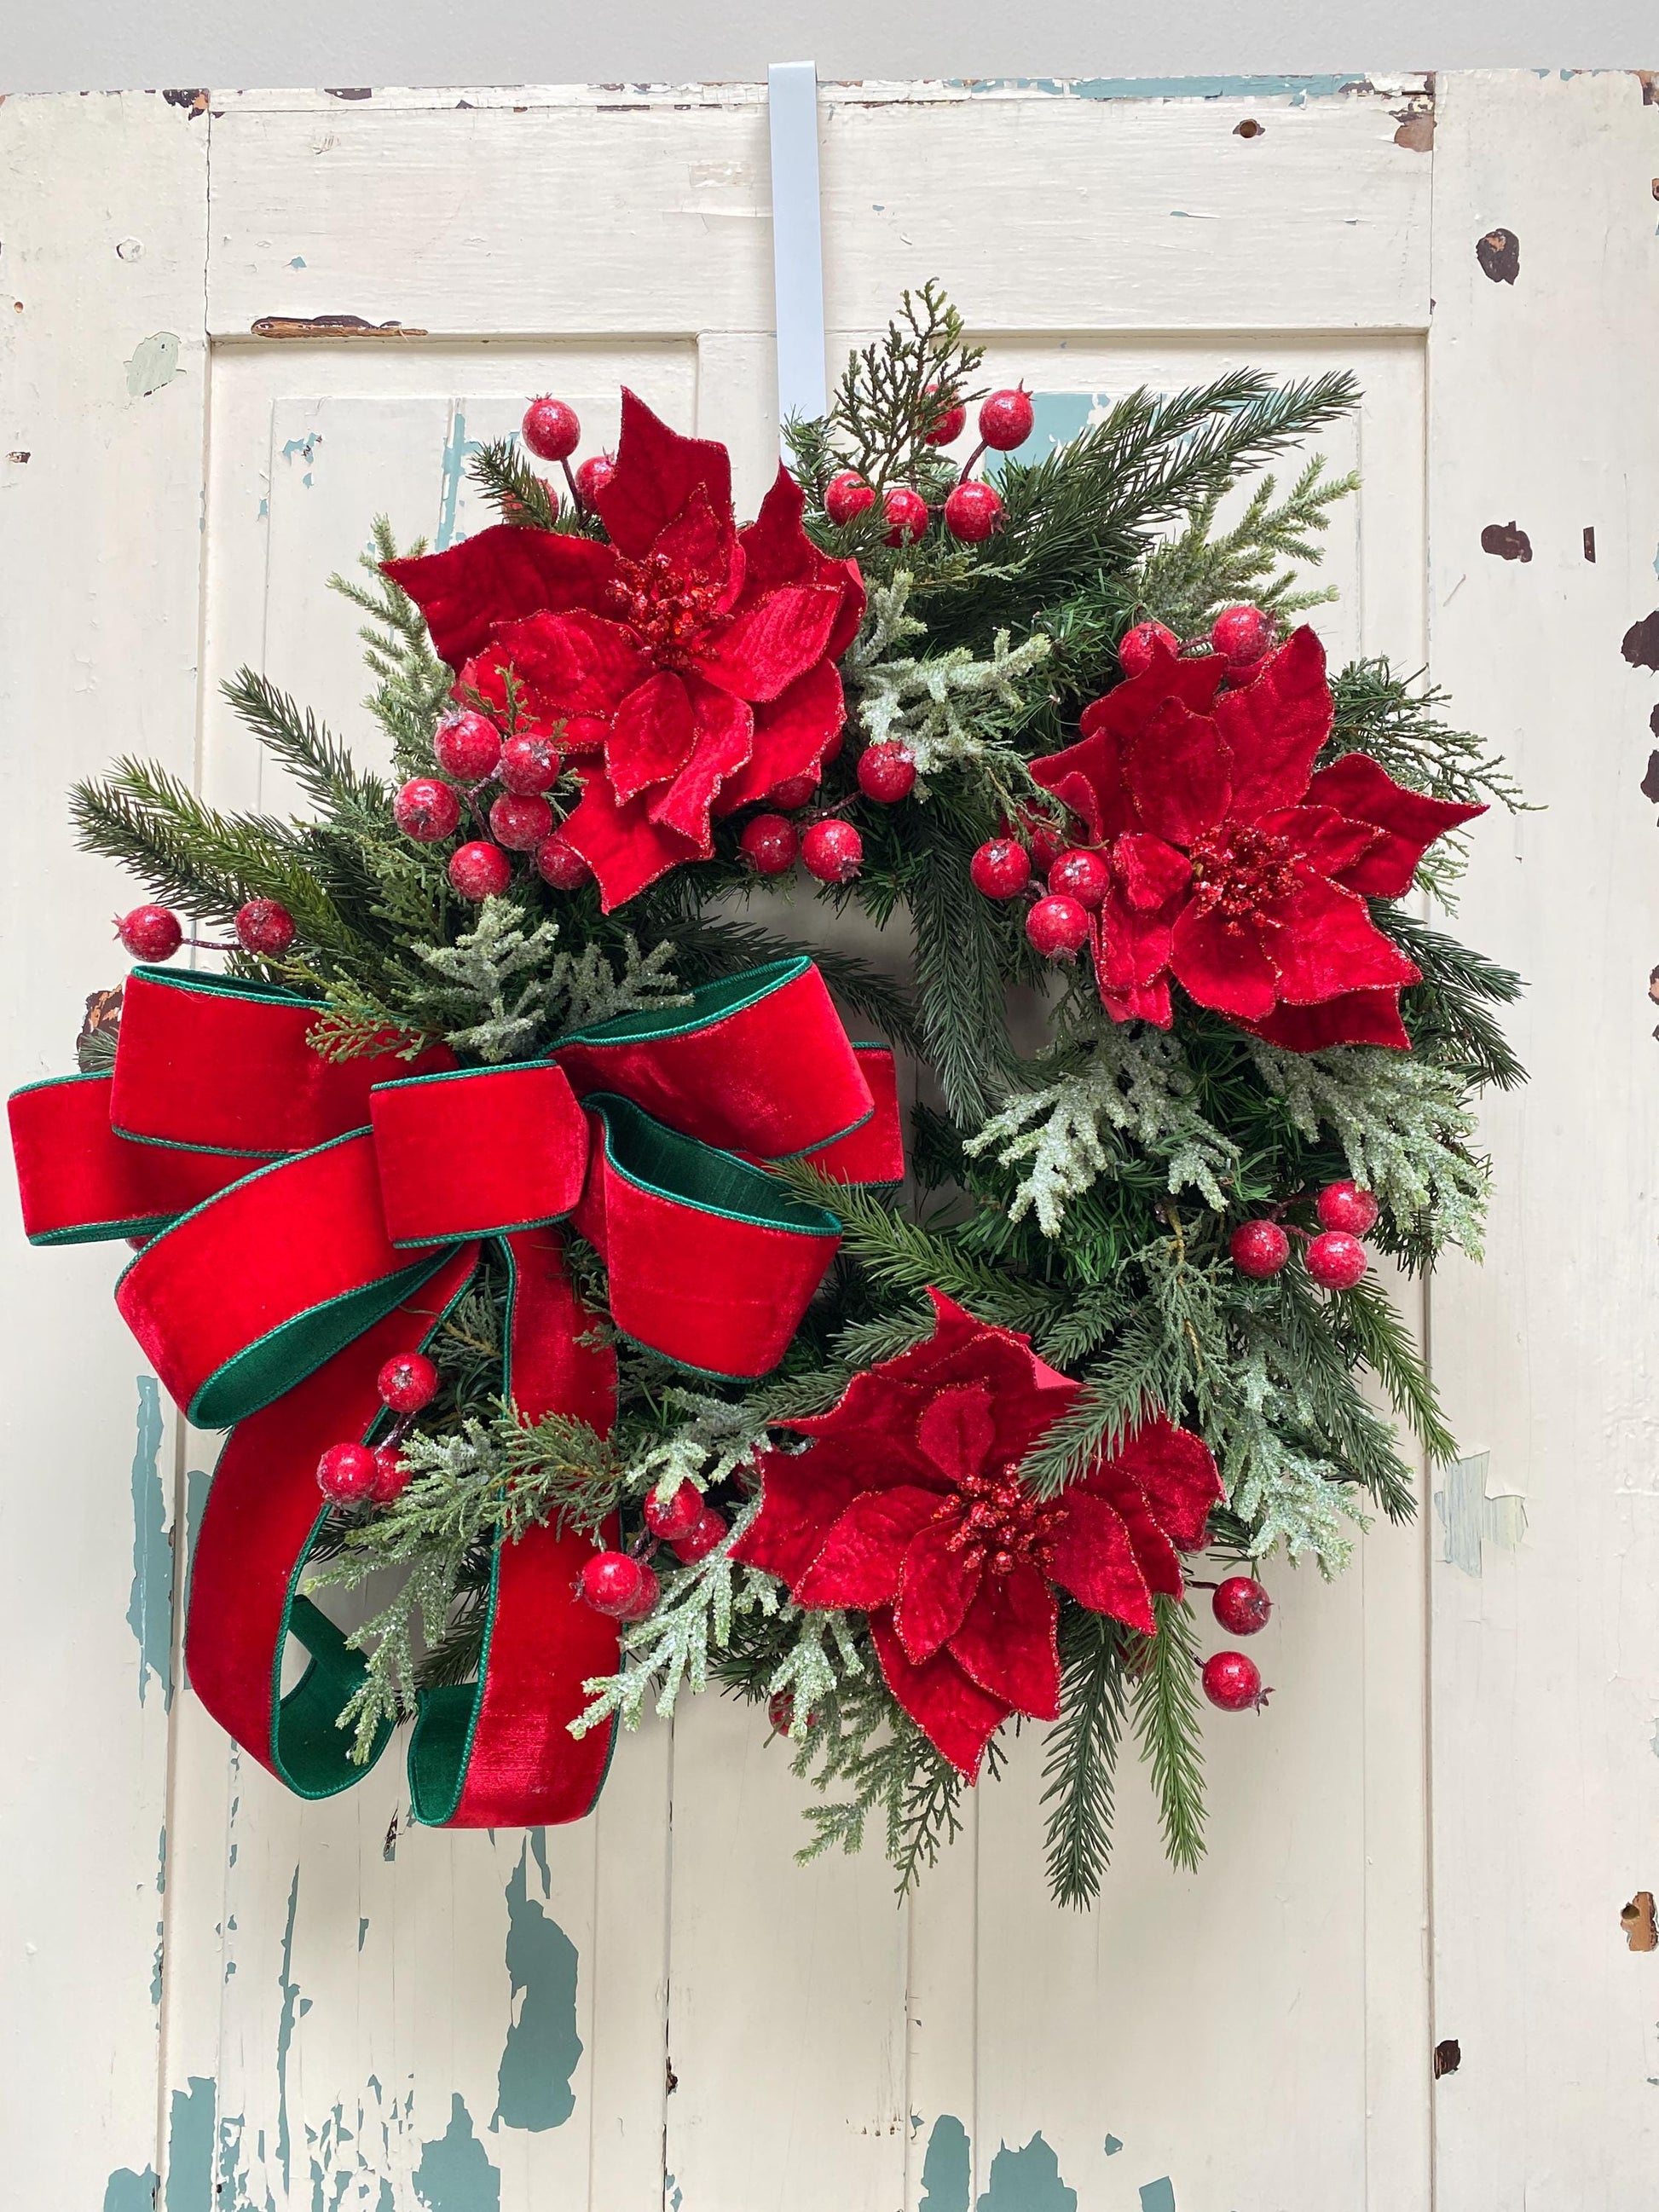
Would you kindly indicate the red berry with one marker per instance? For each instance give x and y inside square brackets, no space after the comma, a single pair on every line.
[265,927]
[468,746]
[1005,420]
[1233,1682]
[427,810]
[676,1517]
[1335,1260]
[530,765]
[1001,869]
[1058,926]
[1258,1248]
[1240,1605]
[619,1585]
[1134,647]
[1242,635]
[562,864]
[973,510]
[1344,1205]
[948,425]
[769,843]
[592,479]
[392,1474]
[550,429]
[781,1711]
[887,773]
[905,512]
[846,496]
[407,1383]
[520,824]
[150,933]
[1046,843]
[1082,875]
[795,790]
[700,1540]
[346,1473]
[833,851]
[479,871]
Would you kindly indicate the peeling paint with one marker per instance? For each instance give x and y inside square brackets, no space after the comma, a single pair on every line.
[1112,2145]
[455,2174]
[289,1989]
[127,2191]
[1158,2196]
[457,450]
[946,2170]
[150,1606]
[1297,89]
[160,1925]
[153,364]
[1027,2180]
[1499,255]
[304,449]
[542,2047]
[362,1931]
[1470,1520]
[1640,644]
[191,2128]
[1506,541]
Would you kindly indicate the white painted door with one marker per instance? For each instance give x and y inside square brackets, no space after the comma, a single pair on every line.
[218,1996]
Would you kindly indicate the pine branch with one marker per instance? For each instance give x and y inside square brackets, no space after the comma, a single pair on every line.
[1079,1769]
[318,762]
[1167,1716]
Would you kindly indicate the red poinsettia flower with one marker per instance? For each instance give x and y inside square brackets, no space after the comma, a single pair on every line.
[1235,869]
[686,667]
[909,1505]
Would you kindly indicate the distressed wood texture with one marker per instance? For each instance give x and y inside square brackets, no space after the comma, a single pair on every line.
[1545,1638]
[102,390]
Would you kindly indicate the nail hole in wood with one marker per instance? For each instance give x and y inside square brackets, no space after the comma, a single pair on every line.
[1250,128]
[1448,2057]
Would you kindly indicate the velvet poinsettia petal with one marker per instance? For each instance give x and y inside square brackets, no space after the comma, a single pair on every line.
[1088,777]
[779,551]
[1149,872]
[1177,773]
[1133,707]
[1221,961]
[656,474]
[1356,1018]
[723,731]
[501,576]
[1007,1642]
[761,651]
[618,840]
[793,733]
[651,736]
[802,1495]
[1329,841]
[858,1562]
[956,1430]
[1172,1469]
[1408,822]
[957,1717]
[1325,943]
[1092,1557]
[573,669]
[699,546]
[938,1583]
[1134,946]
[1145,1002]
[1275,727]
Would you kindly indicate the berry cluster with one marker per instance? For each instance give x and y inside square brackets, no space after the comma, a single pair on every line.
[1335,1257]
[624,1585]
[829,847]
[973,508]
[474,754]
[155,933]
[1233,1681]
[359,1475]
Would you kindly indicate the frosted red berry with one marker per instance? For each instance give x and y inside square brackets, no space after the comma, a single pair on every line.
[1258,1248]
[560,864]
[769,843]
[530,765]
[619,1585]
[407,1383]
[1058,926]
[426,809]
[346,1473]
[846,496]
[673,1517]
[1233,1682]
[1345,1206]
[906,515]
[1242,635]
[1001,869]
[550,429]
[1046,844]
[479,871]
[887,773]
[520,824]
[265,927]
[1005,420]
[1240,1605]
[833,851]
[592,479]
[948,425]
[1335,1260]
[795,790]
[1134,647]
[1080,874]
[392,1474]
[973,512]
[150,933]
[467,746]
[700,1538]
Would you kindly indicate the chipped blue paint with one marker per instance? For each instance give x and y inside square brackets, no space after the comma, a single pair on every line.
[672,2192]
[1027,2181]
[1470,1520]
[1655,556]
[160,1925]
[290,1992]
[1298,90]
[1057,418]
[127,2191]
[1158,2196]
[191,2126]
[298,261]
[455,2174]
[304,449]
[150,1605]
[154,362]
[542,2047]
[1112,2145]
[265,510]
[459,450]
[362,1930]
[538,1851]
[947,2170]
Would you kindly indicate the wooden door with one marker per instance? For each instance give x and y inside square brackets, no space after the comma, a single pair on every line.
[222,1996]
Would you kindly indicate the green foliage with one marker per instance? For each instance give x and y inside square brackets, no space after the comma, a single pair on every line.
[1081,1768]
[894,393]
[413,684]
[1164,1705]
[1189,579]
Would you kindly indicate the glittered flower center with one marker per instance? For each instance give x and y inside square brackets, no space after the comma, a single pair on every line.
[670,610]
[1003,1525]
[1238,870]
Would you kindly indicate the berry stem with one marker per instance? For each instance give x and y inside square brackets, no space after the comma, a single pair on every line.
[569,478]
[972,460]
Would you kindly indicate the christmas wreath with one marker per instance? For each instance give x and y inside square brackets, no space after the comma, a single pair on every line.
[517,1181]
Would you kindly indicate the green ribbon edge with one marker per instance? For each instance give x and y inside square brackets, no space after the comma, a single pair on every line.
[708,1004]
